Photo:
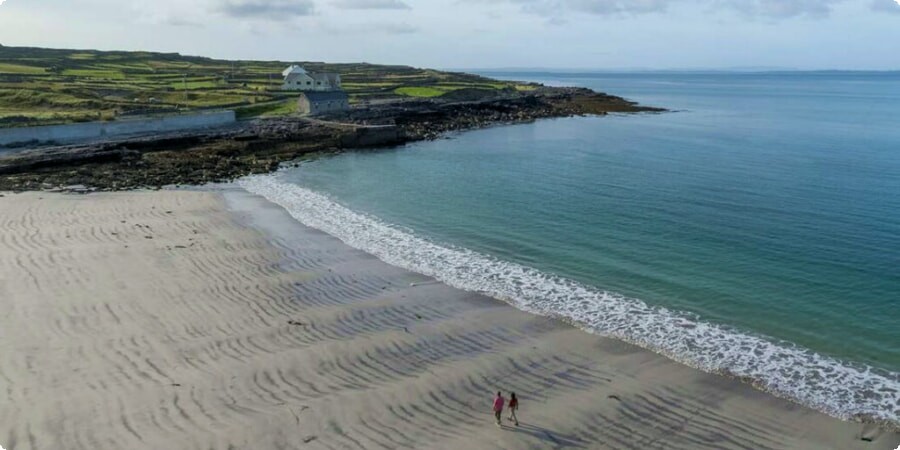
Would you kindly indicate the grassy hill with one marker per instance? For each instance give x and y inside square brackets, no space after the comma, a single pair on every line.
[44,86]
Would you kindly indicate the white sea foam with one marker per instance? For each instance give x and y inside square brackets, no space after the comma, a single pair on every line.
[841,389]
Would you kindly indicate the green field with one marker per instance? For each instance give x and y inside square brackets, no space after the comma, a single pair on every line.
[420,91]
[44,86]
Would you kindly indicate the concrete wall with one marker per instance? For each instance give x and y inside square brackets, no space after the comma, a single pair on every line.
[314,106]
[321,107]
[98,130]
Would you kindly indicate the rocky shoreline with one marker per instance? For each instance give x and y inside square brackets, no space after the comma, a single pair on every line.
[261,145]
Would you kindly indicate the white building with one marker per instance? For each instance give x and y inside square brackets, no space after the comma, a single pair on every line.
[297,78]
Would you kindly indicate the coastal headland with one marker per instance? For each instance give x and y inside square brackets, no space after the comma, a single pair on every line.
[390,105]
[214,320]
[258,146]
[211,319]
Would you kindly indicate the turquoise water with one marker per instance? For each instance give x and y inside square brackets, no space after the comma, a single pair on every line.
[755,231]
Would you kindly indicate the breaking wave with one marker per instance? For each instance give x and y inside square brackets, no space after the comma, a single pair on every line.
[841,389]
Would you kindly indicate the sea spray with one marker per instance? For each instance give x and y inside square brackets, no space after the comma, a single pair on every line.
[844,390]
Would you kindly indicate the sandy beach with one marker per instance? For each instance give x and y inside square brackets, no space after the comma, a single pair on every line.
[213,320]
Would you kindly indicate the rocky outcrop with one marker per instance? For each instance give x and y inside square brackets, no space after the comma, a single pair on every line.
[429,119]
[259,146]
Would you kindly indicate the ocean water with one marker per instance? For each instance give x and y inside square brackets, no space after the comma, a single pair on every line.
[753,231]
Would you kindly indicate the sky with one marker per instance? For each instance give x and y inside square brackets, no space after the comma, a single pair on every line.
[552,34]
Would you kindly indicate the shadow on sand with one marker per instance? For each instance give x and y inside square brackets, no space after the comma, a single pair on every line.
[553,438]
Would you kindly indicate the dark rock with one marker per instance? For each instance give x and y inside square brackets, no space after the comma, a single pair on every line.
[203,156]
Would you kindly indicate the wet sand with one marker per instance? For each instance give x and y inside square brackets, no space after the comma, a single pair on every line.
[212,320]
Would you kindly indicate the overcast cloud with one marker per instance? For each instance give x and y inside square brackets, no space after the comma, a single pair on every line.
[371,4]
[782,8]
[890,6]
[278,10]
[763,8]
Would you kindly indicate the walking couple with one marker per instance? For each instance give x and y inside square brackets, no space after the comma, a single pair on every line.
[513,405]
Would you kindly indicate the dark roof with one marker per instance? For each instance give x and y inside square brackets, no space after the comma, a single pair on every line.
[324,96]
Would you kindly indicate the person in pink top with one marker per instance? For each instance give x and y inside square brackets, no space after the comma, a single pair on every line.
[498,406]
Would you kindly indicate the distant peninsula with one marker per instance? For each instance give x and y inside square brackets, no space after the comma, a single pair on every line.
[385,105]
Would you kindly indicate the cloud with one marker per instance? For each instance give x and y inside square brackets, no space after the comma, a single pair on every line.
[619,6]
[780,8]
[889,6]
[753,8]
[178,22]
[368,28]
[165,14]
[371,4]
[396,28]
[556,8]
[266,9]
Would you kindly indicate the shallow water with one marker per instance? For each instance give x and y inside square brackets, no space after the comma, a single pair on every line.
[754,231]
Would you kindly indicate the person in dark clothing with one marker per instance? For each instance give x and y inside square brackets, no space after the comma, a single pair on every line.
[513,406]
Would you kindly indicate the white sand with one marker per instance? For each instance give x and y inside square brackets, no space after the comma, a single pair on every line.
[164,320]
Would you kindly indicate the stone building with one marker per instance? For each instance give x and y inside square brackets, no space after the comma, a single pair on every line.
[312,103]
[297,78]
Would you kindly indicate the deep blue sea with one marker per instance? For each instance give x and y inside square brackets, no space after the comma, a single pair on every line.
[754,230]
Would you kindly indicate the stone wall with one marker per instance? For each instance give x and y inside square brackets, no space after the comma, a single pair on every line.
[97,130]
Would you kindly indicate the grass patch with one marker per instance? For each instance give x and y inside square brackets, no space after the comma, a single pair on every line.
[369,85]
[21,99]
[279,108]
[50,86]
[82,56]
[180,85]
[459,85]
[420,91]
[95,73]
[20,69]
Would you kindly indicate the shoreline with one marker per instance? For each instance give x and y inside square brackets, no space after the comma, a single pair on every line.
[269,333]
[198,157]
[850,391]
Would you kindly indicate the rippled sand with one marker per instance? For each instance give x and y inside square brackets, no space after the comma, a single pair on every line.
[210,320]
